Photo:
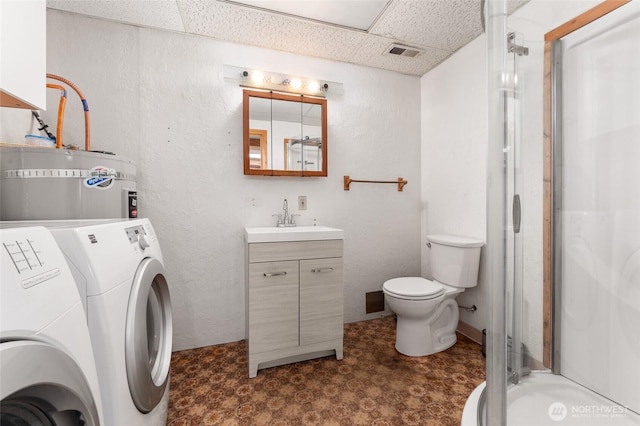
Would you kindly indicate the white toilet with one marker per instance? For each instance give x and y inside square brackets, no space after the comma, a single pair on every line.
[426,310]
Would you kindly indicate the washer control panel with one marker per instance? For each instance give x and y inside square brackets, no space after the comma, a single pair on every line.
[26,256]
[36,285]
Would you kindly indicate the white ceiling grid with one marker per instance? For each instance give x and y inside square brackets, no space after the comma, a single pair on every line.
[439,27]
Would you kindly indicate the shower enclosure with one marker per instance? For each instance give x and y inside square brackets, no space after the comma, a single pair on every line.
[583,366]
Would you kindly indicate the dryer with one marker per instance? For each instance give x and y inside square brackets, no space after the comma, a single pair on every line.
[119,266]
[47,366]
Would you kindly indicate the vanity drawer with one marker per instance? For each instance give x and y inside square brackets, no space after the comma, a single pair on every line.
[294,250]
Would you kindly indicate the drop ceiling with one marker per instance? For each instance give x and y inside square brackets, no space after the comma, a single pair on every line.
[354,31]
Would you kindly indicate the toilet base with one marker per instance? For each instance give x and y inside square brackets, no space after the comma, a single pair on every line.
[421,337]
[408,345]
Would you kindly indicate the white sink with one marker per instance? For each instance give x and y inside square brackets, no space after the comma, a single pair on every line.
[270,234]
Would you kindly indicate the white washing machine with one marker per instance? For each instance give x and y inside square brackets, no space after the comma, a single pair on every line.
[119,266]
[47,370]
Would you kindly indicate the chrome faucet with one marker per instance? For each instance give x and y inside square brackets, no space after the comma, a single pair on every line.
[285,219]
[285,209]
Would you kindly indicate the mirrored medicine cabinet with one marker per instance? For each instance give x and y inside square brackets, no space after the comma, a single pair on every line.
[284,134]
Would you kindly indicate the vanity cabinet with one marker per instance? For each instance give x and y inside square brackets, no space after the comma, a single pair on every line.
[294,292]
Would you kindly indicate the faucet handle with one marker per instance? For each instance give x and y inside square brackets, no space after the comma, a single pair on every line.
[279,216]
[292,218]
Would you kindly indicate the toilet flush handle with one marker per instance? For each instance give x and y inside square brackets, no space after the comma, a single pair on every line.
[428,244]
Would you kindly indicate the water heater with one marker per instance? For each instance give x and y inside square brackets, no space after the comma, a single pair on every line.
[39,183]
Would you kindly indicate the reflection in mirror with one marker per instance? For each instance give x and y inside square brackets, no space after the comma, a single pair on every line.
[286,123]
[259,133]
[284,135]
[258,158]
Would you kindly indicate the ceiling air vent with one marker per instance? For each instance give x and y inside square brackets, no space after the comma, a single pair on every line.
[400,50]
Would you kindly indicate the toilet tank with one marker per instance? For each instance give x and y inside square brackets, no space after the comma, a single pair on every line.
[455,260]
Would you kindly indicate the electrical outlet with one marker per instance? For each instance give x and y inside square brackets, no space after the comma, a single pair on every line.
[302,202]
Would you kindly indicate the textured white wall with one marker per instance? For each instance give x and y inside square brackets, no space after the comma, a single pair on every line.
[159,99]
[454,145]
[453,156]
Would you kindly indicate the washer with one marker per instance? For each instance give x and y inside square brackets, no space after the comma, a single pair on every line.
[119,266]
[46,359]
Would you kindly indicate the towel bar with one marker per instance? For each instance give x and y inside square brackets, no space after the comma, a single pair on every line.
[400,182]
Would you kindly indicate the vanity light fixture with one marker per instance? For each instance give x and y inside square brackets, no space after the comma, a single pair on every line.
[296,83]
[257,79]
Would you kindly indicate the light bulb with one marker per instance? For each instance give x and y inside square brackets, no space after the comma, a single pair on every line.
[257,77]
[314,86]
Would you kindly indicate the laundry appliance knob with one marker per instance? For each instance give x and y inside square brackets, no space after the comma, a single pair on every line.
[142,240]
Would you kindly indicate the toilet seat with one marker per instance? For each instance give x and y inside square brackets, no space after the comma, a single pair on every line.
[413,288]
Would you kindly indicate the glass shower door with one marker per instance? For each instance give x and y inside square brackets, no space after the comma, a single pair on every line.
[513,93]
[496,254]
[504,214]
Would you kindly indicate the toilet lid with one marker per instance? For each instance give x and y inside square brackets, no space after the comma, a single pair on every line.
[413,288]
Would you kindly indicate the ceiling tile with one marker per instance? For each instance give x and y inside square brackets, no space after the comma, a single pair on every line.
[146,13]
[446,25]
[359,14]
[240,24]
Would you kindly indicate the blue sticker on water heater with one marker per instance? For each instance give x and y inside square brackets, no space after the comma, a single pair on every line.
[101,178]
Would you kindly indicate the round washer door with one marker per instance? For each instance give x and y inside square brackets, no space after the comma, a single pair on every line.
[42,385]
[148,335]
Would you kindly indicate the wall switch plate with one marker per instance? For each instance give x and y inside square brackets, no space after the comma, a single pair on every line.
[302,202]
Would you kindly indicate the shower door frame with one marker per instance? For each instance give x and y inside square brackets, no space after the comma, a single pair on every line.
[552,131]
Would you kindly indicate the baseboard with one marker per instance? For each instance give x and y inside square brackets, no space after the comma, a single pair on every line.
[470,332]
[476,335]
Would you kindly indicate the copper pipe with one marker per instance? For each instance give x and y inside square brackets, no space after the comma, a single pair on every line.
[85,106]
[61,105]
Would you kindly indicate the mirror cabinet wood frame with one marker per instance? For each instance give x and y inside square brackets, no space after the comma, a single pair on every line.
[251,134]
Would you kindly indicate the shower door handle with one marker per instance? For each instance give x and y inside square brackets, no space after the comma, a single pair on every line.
[516,211]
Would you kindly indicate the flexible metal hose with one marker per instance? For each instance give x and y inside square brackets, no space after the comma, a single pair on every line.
[61,105]
[85,106]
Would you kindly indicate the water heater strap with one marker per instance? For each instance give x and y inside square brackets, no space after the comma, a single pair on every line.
[61,173]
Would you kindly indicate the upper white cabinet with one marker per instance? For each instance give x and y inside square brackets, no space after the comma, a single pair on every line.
[23,54]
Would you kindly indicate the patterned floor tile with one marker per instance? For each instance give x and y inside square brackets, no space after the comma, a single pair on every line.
[372,385]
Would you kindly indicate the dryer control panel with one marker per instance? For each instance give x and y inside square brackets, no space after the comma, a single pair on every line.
[137,234]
